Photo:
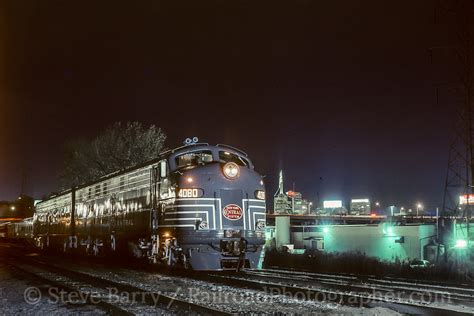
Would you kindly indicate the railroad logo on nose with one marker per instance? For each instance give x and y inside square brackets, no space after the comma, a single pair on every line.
[232,212]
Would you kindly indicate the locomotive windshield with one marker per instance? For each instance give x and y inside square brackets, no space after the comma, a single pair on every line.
[194,159]
[203,157]
[225,157]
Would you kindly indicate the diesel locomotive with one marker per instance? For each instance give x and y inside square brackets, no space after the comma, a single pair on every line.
[199,206]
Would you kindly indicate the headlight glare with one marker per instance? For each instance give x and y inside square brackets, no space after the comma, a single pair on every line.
[231,170]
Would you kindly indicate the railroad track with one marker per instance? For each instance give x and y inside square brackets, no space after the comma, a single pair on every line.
[344,290]
[447,285]
[215,298]
[458,294]
[341,292]
[125,299]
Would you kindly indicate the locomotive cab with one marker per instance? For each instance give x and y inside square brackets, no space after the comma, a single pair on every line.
[218,217]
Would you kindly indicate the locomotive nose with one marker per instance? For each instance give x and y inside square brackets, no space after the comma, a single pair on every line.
[230,195]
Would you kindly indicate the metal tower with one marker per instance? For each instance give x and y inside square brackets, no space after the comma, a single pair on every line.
[458,200]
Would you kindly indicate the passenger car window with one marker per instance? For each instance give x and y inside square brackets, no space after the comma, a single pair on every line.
[225,157]
[122,183]
[194,159]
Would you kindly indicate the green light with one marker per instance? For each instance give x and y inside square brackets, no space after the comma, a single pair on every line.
[388,230]
[325,230]
[461,243]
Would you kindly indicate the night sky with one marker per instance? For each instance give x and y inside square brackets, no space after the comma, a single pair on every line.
[342,91]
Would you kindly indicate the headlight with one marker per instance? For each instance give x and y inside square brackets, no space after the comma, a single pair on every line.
[231,170]
[260,194]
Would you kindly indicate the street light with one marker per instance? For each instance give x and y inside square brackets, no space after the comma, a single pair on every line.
[377,204]
[418,207]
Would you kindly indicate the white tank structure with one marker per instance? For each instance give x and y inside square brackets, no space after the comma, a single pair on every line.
[282,227]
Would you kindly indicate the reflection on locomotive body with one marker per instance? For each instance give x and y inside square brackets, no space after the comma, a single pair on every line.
[197,206]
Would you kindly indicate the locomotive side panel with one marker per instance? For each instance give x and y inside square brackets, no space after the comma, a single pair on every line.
[52,221]
[114,210]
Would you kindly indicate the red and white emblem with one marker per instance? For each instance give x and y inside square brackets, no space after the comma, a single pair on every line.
[232,212]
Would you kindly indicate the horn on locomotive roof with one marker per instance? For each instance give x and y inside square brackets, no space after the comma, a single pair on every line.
[191,141]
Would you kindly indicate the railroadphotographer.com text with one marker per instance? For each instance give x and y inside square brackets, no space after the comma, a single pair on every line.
[111,295]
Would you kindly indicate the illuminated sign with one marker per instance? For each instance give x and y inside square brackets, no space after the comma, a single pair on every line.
[332,204]
[360,201]
[466,199]
[190,193]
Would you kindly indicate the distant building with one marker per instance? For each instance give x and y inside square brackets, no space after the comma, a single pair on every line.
[374,236]
[298,204]
[290,202]
[360,206]
[281,204]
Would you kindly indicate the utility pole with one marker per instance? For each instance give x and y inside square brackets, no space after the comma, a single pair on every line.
[437,224]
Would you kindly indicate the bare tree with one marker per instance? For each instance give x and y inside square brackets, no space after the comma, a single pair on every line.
[120,146]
